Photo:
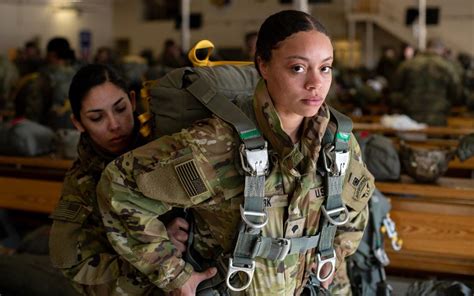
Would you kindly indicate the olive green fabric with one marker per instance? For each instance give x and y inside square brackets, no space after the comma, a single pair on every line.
[174,108]
[381,157]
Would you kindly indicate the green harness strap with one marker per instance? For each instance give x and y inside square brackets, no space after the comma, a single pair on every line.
[335,158]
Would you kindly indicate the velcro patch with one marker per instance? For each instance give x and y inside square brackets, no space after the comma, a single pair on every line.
[70,211]
[190,178]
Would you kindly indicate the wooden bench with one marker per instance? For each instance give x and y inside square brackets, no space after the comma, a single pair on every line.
[29,194]
[436,224]
[430,130]
[43,167]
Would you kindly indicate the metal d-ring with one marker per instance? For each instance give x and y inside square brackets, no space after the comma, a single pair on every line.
[236,269]
[244,213]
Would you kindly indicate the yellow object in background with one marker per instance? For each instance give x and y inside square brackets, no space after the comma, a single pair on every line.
[206,44]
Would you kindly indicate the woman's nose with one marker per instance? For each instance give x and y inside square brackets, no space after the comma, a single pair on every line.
[113,123]
[313,80]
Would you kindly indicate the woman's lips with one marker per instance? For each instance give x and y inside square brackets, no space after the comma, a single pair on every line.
[313,101]
[117,140]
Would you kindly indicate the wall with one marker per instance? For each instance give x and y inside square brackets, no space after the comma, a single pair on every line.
[456,20]
[225,27]
[24,20]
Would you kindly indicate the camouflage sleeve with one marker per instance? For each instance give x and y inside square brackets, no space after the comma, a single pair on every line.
[78,244]
[357,190]
[133,228]
[173,171]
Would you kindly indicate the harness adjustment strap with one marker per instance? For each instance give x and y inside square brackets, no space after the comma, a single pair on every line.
[278,248]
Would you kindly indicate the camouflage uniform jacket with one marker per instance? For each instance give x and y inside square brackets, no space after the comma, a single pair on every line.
[426,87]
[78,243]
[144,183]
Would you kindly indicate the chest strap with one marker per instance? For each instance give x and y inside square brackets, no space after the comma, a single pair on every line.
[277,248]
[335,155]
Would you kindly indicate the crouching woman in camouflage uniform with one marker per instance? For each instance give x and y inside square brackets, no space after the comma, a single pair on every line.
[103,112]
[199,169]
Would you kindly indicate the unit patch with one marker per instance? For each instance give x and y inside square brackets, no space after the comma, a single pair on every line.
[362,188]
[190,178]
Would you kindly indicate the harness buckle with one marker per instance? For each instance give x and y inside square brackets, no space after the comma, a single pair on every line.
[285,245]
[338,211]
[381,256]
[335,162]
[321,262]
[244,214]
[255,161]
[248,270]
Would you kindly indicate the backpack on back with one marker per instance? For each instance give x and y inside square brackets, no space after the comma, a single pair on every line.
[173,107]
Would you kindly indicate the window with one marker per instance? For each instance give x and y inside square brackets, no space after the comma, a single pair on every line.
[160,9]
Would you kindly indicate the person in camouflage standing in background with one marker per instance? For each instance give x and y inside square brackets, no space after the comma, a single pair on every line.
[426,86]
[294,57]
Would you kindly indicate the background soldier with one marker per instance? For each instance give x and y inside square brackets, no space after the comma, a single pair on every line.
[426,86]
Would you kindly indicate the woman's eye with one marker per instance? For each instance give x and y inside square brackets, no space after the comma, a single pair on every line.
[326,69]
[298,69]
[95,119]
[121,109]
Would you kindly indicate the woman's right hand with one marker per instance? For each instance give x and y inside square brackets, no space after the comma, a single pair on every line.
[178,233]
[189,287]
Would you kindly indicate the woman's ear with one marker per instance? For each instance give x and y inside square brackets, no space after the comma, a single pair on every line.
[133,100]
[77,124]
[262,67]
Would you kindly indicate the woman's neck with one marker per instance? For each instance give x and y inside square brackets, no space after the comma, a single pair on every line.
[291,125]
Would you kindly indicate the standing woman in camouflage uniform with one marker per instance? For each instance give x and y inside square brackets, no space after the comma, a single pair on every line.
[294,57]
[103,112]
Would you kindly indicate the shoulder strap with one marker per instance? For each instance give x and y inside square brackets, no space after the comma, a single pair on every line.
[335,155]
[254,158]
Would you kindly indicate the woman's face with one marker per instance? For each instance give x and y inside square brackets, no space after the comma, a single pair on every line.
[107,116]
[298,76]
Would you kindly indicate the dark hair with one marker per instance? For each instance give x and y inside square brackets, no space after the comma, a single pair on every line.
[281,25]
[88,77]
[60,46]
